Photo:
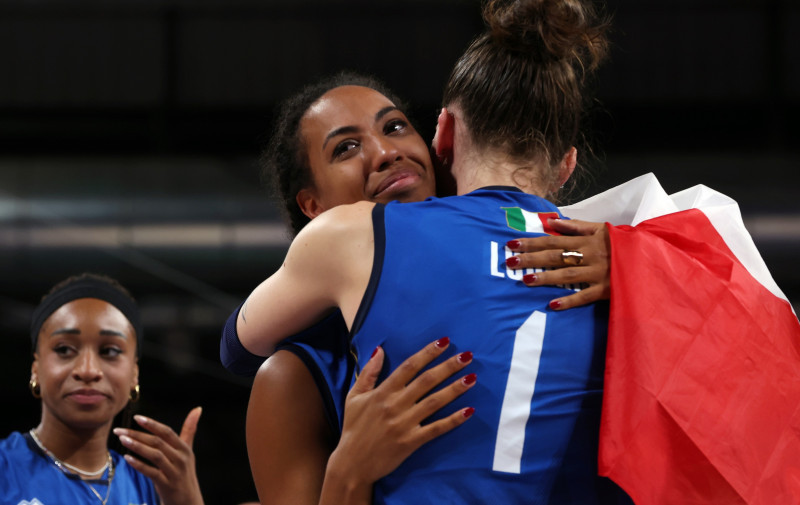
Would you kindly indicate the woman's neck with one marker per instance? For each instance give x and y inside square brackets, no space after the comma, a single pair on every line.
[477,170]
[86,449]
[474,168]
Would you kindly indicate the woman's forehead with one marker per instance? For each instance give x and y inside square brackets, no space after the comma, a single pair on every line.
[88,311]
[345,105]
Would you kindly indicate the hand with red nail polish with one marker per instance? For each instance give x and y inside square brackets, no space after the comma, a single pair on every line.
[383,424]
[514,245]
[544,253]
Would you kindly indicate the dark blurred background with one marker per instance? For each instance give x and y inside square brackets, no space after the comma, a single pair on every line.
[129,133]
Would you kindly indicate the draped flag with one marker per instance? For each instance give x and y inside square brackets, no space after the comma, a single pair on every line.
[702,384]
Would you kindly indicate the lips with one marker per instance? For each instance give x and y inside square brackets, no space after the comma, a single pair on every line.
[86,396]
[397,180]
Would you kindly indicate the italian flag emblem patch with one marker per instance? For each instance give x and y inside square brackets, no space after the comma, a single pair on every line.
[535,222]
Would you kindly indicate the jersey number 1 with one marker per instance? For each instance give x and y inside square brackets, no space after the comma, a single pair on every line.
[521,382]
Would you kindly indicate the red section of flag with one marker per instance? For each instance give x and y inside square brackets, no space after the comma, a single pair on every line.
[543,217]
[702,391]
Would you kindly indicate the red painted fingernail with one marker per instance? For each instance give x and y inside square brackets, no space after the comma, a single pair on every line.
[374,352]
[470,379]
[513,244]
[512,261]
[529,278]
[465,357]
[443,342]
[555,304]
[467,412]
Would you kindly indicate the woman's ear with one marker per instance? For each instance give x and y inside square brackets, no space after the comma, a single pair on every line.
[443,139]
[309,203]
[567,166]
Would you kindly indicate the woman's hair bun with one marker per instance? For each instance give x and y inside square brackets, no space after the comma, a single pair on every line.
[548,30]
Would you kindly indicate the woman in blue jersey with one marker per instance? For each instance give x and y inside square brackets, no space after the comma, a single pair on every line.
[304,381]
[293,420]
[86,338]
[400,273]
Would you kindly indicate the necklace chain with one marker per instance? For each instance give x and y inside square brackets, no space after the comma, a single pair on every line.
[108,490]
[64,464]
[67,468]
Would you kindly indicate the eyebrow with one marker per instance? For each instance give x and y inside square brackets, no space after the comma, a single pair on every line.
[351,129]
[67,331]
[76,331]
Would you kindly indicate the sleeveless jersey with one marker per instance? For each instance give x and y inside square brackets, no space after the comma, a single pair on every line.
[324,349]
[439,270]
[29,477]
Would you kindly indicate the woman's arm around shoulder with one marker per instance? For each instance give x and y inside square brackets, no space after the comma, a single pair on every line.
[327,266]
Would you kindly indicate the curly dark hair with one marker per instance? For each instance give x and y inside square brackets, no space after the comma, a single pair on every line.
[284,161]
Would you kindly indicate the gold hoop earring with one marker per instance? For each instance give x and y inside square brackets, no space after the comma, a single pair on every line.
[135,394]
[36,390]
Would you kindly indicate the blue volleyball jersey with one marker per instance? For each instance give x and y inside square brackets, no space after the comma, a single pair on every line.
[29,477]
[324,349]
[439,270]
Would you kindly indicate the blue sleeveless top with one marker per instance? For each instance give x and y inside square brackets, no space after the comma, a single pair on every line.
[439,270]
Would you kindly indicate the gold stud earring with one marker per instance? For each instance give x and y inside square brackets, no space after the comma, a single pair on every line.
[135,394]
[36,390]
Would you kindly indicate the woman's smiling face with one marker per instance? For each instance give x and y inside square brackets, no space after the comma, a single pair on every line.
[361,147]
[85,363]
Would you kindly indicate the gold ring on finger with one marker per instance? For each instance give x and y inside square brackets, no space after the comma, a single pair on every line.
[572,258]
